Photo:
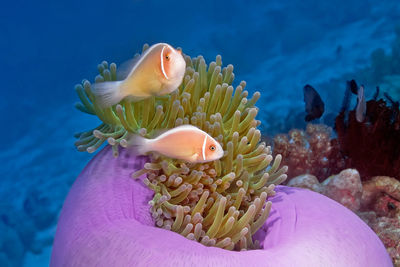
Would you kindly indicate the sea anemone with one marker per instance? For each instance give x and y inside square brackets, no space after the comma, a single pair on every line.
[109,219]
[220,203]
[105,221]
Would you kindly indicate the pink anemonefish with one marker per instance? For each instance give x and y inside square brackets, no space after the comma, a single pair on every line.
[184,142]
[158,71]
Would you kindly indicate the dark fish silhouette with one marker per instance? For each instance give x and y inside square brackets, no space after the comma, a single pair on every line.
[314,105]
[353,86]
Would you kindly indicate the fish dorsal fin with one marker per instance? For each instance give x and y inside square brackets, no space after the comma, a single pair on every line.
[185,127]
[127,68]
[176,129]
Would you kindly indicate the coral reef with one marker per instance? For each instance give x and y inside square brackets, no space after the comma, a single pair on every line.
[371,147]
[376,201]
[220,203]
[309,152]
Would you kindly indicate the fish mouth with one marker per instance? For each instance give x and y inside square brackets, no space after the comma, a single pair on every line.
[220,152]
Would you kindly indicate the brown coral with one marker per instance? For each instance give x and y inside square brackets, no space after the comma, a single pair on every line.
[309,152]
[372,147]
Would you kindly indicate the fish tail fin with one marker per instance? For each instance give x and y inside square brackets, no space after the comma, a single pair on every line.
[108,93]
[140,144]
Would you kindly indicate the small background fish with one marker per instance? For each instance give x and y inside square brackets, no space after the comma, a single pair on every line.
[314,105]
[353,86]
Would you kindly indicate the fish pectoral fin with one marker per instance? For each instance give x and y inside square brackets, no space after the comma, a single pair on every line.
[133,98]
[194,157]
[165,91]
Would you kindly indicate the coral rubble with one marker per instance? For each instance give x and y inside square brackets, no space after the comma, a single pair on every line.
[220,203]
[344,187]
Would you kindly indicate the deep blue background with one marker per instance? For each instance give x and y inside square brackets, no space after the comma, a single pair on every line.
[47,47]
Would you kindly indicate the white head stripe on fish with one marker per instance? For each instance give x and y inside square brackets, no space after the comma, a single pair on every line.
[204,147]
[162,63]
[143,56]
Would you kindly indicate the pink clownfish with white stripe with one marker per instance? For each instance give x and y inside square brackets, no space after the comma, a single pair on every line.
[184,142]
[158,71]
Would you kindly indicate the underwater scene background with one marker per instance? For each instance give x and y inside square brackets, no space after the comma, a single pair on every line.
[276,47]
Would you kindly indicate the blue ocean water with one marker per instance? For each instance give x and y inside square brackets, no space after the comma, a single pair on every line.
[49,46]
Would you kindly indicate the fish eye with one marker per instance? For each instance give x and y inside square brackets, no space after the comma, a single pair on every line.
[167,57]
[212,147]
